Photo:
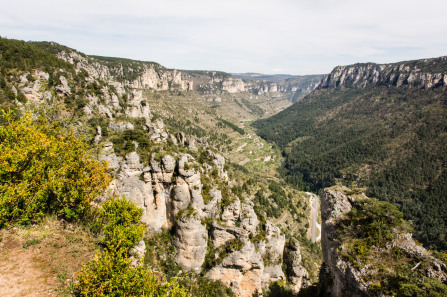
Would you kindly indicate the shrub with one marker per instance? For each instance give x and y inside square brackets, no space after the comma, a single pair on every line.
[373,221]
[44,169]
[111,275]
[122,230]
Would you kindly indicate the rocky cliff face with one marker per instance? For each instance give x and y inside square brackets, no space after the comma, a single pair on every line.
[145,75]
[345,277]
[170,190]
[418,74]
[137,75]
[192,197]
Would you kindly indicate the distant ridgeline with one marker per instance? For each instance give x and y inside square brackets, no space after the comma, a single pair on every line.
[383,127]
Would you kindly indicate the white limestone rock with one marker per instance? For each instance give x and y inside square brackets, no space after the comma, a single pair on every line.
[191,243]
[231,213]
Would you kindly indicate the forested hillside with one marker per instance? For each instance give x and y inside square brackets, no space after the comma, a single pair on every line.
[383,127]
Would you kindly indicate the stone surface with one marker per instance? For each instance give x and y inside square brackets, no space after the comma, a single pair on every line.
[231,213]
[139,250]
[63,87]
[296,273]
[242,270]
[120,126]
[249,219]
[272,273]
[346,279]
[190,243]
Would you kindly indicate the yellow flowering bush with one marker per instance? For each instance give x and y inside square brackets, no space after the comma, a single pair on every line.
[44,169]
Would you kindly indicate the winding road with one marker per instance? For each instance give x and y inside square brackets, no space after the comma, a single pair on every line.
[314,205]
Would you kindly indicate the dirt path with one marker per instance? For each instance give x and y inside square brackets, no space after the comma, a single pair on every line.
[41,261]
[23,273]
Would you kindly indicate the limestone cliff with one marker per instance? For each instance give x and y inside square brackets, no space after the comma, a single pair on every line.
[358,265]
[149,75]
[425,73]
[171,190]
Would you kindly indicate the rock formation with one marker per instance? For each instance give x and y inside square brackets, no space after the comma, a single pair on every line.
[345,278]
[297,274]
[414,74]
[248,254]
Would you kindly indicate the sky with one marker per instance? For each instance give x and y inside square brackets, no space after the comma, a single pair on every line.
[283,36]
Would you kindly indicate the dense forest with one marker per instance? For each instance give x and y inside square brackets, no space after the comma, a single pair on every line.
[390,140]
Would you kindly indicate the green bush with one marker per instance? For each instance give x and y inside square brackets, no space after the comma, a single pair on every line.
[233,126]
[26,56]
[123,142]
[366,233]
[111,275]
[122,230]
[203,287]
[373,221]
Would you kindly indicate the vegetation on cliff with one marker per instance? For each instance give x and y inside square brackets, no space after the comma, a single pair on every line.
[369,234]
[110,273]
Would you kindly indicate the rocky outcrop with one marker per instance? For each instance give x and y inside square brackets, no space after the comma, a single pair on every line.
[137,75]
[420,74]
[233,85]
[296,273]
[254,266]
[35,90]
[216,83]
[63,88]
[344,278]
[334,205]
[161,80]
[242,270]
[124,84]
[169,189]
[191,243]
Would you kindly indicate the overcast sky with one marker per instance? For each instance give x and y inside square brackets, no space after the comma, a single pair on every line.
[266,36]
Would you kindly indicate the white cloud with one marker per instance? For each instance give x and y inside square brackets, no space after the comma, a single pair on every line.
[296,36]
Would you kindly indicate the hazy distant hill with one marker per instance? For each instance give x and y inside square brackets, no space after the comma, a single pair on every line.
[380,126]
[300,85]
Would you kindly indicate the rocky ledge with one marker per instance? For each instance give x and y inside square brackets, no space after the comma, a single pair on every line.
[371,270]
